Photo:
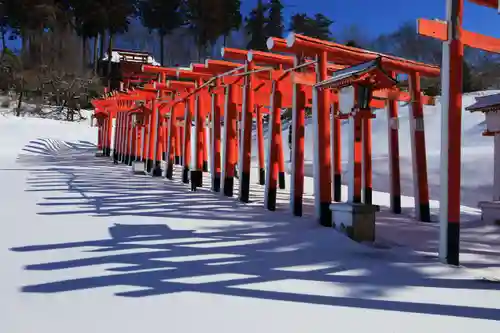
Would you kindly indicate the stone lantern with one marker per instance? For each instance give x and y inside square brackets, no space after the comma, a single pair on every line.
[490,106]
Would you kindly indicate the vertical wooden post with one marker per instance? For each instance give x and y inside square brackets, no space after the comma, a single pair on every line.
[172,139]
[147,147]
[367,157]
[355,151]
[130,152]
[111,130]
[186,158]
[197,172]
[99,136]
[337,151]
[419,159]
[154,140]
[273,148]
[281,159]
[116,143]
[322,165]
[298,145]
[123,158]
[180,146]
[206,142]
[394,167]
[230,140]
[215,156]
[246,134]
[451,120]
[260,145]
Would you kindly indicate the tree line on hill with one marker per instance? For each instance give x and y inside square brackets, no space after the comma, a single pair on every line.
[62,40]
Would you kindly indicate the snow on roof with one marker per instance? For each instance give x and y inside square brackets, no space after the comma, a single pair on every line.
[116,57]
[485,103]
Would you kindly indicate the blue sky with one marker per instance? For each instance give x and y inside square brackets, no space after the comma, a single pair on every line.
[383,16]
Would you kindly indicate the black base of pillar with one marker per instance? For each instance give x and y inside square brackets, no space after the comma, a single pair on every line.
[216,182]
[107,151]
[149,165]
[297,206]
[205,166]
[325,214]
[115,157]
[356,199]
[337,188]
[126,158]
[131,160]
[157,171]
[367,196]
[169,174]
[271,198]
[185,175]
[262,176]
[228,186]
[245,187]
[281,180]
[396,203]
[177,160]
[196,179]
[236,175]
[453,243]
[425,212]
[163,156]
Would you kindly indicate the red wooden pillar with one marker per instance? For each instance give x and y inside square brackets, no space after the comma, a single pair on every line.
[186,146]
[273,148]
[130,152]
[451,120]
[419,159]
[281,159]
[337,151]
[246,134]
[199,119]
[109,132]
[298,148]
[394,167]
[355,151]
[171,141]
[260,145]
[206,143]
[179,146]
[145,141]
[99,134]
[215,156]
[230,140]
[367,157]
[153,164]
[117,140]
[322,160]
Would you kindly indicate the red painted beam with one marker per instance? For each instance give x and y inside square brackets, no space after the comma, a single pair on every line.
[439,30]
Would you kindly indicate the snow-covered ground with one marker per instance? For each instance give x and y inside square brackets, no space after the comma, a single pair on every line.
[86,246]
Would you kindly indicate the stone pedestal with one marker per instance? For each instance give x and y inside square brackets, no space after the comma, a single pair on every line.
[99,153]
[490,212]
[138,168]
[356,220]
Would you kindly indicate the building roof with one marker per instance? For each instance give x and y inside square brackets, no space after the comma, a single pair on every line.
[485,103]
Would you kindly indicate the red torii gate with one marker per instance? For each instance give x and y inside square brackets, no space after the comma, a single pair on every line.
[324,51]
[454,38]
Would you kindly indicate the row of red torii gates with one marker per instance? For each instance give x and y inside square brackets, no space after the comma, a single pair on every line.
[154,122]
